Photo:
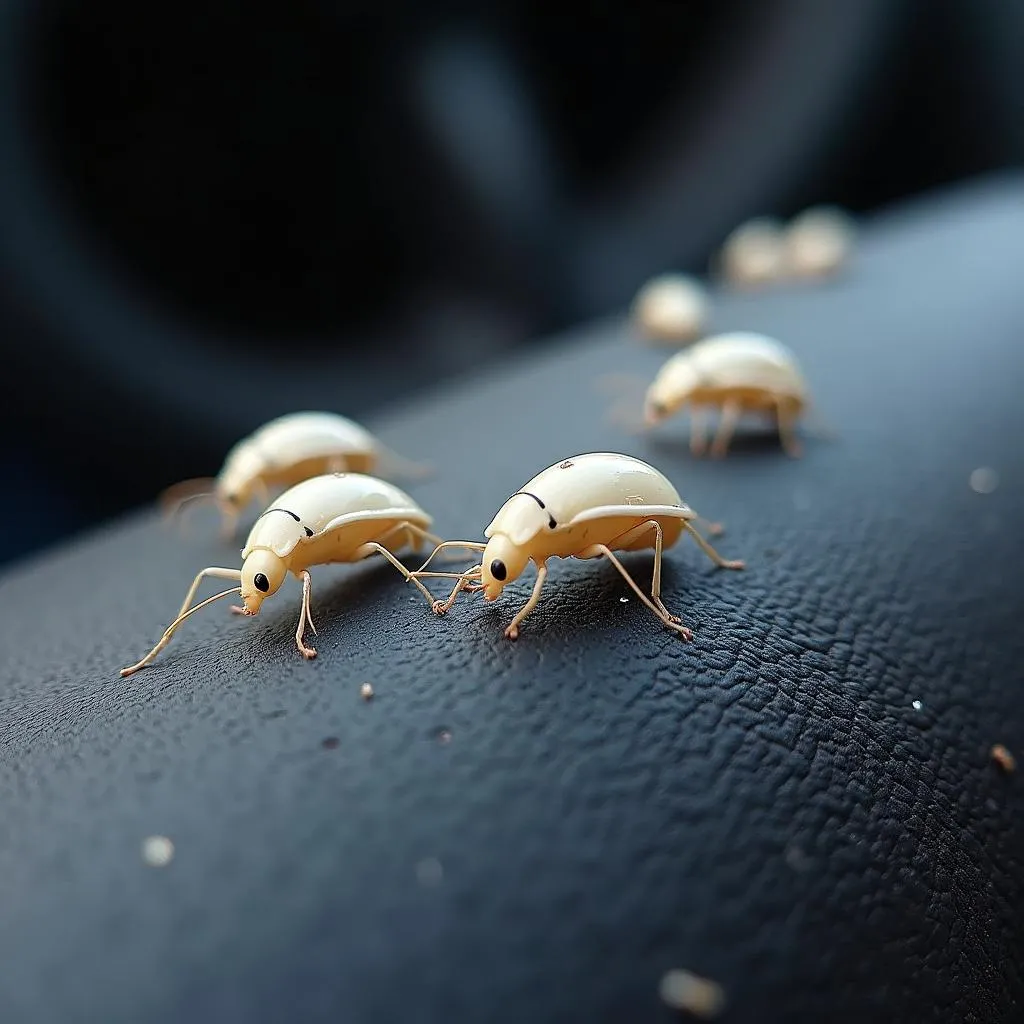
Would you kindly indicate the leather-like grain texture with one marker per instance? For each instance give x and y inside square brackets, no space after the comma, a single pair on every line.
[766,806]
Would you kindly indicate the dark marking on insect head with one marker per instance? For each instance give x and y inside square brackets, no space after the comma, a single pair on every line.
[568,464]
[551,518]
[309,532]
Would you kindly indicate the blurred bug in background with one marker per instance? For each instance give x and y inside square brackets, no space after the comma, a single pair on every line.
[197,199]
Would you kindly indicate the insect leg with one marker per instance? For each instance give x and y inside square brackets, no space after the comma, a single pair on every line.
[465,582]
[415,535]
[724,563]
[726,427]
[669,620]
[305,616]
[512,632]
[787,429]
[467,545]
[371,547]
[698,430]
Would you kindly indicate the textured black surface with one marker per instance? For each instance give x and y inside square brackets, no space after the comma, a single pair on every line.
[764,806]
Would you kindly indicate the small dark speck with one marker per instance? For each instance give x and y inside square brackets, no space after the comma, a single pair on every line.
[278,713]
[797,859]
[331,743]
[566,465]
[772,553]
[150,776]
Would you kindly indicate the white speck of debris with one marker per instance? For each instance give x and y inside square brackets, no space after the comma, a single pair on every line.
[801,501]
[366,691]
[984,480]
[682,990]
[916,705]
[429,872]
[157,851]
[623,600]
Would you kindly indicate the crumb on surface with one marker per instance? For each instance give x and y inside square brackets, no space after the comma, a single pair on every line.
[1005,761]
[366,691]
[157,851]
[916,705]
[984,480]
[683,990]
[429,871]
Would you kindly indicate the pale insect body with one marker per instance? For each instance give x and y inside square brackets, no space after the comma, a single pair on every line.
[585,507]
[285,452]
[736,373]
[819,242]
[340,517]
[754,254]
[671,308]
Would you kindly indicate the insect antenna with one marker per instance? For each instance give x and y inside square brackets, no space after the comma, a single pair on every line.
[170,630]
[627,393]
[393,464]
[176,497]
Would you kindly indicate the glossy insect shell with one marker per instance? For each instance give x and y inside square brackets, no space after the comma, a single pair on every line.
[738,361]
[293,448]
[346,508]
[671,307]
[586,488]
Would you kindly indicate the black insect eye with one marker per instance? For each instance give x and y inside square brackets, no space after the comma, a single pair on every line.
[260,582]
[498,570]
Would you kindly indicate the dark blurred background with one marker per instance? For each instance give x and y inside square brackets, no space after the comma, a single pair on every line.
[214,213]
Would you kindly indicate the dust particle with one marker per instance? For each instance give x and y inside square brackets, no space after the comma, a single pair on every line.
[366,691]
[916,705]
[984,480]
[683,990]
[797,859]
[429,872]
[331,743]
[1003,759]
[444,736]
[623,600]
[157,851]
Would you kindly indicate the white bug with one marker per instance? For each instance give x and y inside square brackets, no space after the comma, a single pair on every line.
[818,242]
[340,517]
[736,373]
[671,308]
[588,506]
[285,452]
[754,254]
